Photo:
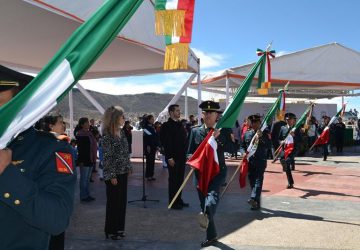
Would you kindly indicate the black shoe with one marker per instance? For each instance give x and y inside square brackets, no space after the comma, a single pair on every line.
[91,198]
[121,234]
[177,207]
[254,204]
[290,186]
[325,157]
[113,236]
[208,243]
[91,180]
[293,168]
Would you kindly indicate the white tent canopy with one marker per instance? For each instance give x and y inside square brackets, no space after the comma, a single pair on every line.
[32,32]
[325,71]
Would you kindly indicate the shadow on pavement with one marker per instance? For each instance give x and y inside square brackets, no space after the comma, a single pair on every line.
[312,192]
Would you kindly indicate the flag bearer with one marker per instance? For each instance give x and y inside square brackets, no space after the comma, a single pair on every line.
[37,179]
[209,202]
[258,161]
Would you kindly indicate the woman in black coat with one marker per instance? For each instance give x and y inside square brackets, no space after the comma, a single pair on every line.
[151,142]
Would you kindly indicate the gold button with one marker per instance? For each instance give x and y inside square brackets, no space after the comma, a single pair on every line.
[6,195]
[17,202]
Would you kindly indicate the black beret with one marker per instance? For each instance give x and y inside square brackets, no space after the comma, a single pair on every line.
[10,78]
[254,118]
[210,106]
[290,116]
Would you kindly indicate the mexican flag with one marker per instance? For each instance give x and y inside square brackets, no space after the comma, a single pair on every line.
[68,65]
[171,16]
[325,134]
[174,19]
[232,111]
[205,160]
[264,79]
[289,140]
[251,150]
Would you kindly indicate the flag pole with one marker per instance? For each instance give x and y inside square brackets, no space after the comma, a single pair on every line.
[280,147]
[181,187]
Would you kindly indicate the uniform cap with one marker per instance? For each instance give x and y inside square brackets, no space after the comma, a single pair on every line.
[10,79]
[210,106]
[289,116]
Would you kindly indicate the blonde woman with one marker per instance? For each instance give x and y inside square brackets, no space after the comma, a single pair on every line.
[116,169]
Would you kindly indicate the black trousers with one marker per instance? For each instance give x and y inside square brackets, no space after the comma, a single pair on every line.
[339,144]
[150,162]
[57,242]
[176,178]
[325,151]
[116,200]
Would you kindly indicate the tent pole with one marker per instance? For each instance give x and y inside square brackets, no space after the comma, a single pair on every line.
[90,98]
[199,94]
[71,113]
[186,104]
[227,91]
[176,98]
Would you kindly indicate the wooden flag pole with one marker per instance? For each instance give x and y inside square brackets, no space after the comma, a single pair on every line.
[181,188]
[231,179]
[276,153]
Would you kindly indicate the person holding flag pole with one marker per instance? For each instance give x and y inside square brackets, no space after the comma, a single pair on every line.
[255,145]
[251,148]
[206,159]
[289,138]
[324,137]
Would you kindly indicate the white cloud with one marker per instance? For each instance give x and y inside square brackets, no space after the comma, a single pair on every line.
[209,60]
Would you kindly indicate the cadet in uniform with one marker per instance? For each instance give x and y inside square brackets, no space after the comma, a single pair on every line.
[209,203]
[258,161]
[37,180]
[289,162]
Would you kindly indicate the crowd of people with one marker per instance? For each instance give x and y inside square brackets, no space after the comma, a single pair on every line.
[34,178]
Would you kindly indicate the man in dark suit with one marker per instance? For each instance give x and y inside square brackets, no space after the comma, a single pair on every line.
[173,137]
[37,181]
[210,201]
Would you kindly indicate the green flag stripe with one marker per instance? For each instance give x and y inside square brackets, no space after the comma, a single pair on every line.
[232,111]
[82,49]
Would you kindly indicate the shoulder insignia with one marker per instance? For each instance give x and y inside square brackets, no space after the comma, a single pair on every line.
[64,163]
[17,162]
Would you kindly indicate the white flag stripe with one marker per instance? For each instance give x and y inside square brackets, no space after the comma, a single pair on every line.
[213,145]
[175,39]
[41,102]
[171,4]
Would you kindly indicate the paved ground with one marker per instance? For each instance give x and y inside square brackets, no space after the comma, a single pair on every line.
[322,212]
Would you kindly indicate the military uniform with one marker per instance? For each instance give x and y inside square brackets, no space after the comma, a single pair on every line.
[257,164]
[289,162]
[210,202]
[36,191]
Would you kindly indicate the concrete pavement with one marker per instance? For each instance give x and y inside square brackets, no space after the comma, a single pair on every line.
[322,212]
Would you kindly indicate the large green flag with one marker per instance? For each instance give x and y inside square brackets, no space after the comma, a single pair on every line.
[231,113]
[69,64]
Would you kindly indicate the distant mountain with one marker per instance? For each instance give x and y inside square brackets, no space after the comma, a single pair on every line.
[133,105]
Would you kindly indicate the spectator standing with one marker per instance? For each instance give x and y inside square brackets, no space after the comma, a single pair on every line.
[117,167]
[173,137]
[150,146]
[339,135]
[85,159]
[128,134]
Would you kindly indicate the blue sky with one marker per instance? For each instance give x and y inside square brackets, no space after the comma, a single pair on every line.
[227,35]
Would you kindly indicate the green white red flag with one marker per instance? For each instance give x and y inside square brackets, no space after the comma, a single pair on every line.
[264,79]
[325,134]
[174,20]
[69,64]
[289,140]
[251,150]
[205,158]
